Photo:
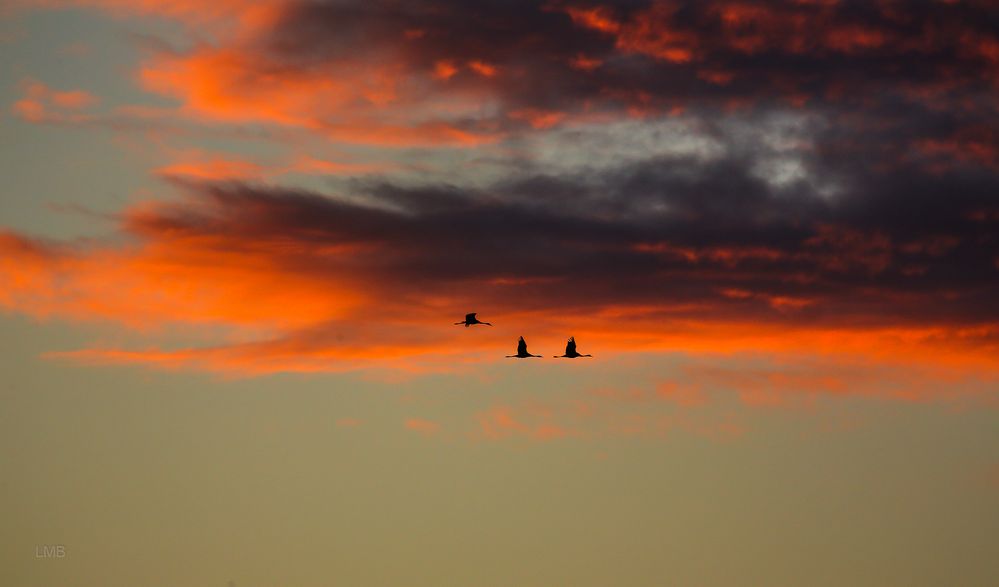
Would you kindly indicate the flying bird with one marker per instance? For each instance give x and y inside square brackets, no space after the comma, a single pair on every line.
[471,319]
[570,350]
[522,351]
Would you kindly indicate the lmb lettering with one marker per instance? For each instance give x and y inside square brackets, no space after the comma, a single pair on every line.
[50,551]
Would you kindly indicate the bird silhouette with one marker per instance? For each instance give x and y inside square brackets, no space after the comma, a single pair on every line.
[471,319]
[522,351]
[570,350]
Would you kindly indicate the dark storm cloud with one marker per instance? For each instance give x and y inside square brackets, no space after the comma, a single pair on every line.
[571,56]
[898,244]
[881,207]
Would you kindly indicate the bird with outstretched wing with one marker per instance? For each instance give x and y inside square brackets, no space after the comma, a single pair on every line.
[522,351]
[570,350]
[470,319]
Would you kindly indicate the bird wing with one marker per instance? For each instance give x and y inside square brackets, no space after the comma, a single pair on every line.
[521,346]
[470,317]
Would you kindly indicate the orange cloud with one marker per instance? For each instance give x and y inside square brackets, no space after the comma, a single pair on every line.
[199,165]
[683,395]
[217,168]
[228,85]
[854,39]
[978,145]
[444,70]
[602,416]
[311,165]
[41,103]
[333,287]
[538,119]
[585,63]
[424,427]
[501,422]
[482,68]
[717,77]
[353,103]
[294,299]
[647,32]
[597,18]
[745,27]
[172,280]
[707,396]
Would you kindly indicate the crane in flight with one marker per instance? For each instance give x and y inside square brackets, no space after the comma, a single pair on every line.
[522,351]
[570,350]
[471,319]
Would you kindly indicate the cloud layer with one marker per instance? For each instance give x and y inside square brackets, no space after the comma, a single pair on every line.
[665,175]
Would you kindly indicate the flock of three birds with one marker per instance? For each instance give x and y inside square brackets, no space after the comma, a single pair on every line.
[570,346]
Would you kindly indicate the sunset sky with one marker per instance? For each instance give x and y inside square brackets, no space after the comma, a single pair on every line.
[235,236]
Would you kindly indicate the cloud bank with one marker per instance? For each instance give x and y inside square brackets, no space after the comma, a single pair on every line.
[709,176]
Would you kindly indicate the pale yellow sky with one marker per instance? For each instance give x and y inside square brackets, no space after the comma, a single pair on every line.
[174,479]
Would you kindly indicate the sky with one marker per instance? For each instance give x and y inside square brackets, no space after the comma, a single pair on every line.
[235,237]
